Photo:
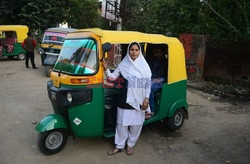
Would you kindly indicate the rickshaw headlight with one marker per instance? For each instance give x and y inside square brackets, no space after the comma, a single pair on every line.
[69,97]
[40,51]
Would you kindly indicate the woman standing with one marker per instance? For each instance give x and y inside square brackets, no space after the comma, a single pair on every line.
[134,97]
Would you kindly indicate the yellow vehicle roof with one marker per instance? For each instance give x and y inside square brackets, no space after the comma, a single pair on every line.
[61,30]
[176,65]
[21,31]
[126,37]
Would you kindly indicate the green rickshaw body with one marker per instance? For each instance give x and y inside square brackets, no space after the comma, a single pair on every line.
[172,98]
[80,93]
[18,49]
[86,120]
[11,39]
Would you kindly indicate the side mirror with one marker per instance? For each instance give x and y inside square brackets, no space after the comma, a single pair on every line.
[106,47]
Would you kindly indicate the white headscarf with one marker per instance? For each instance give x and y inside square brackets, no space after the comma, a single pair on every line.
[135,72]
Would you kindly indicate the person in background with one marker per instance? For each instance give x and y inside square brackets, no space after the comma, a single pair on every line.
[158,67]
[29,45]
[134,98]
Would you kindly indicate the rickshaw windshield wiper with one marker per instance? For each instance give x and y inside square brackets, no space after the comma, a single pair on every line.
[77,55]
[59,74]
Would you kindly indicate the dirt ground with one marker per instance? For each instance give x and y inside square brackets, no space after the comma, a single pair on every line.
[216,132]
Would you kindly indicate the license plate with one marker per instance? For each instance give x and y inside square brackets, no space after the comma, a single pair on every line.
[51,50]
[56,82]
[53,95]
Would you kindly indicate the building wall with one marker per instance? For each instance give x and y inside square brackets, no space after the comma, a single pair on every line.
[195,48]
[227,59]
[224,58]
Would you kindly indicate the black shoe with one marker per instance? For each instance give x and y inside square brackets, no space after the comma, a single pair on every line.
[27,67]
[35,68]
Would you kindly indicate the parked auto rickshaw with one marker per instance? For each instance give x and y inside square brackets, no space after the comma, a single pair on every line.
[85,103]
[51,45]
[11,38]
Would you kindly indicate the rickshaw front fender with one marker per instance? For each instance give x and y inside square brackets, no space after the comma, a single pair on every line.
[177,105]
[50,122]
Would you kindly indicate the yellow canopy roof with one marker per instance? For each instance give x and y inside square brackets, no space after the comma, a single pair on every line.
[125,37]
[21,31]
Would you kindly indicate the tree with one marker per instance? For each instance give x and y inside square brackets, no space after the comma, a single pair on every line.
[9,9]
[135,16]
[230,18]
[224,18]
[83,13]
[42,14]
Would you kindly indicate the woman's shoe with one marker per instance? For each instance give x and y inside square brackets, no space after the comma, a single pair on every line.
[129,151]
[115,151]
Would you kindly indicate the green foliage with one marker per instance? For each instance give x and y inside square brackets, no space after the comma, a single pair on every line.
[9,9]
[224,18]
[229,18]
[136,14]
[84,13]
[221,19]
[42,14]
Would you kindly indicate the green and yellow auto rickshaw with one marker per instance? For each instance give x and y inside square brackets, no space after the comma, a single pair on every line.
[11,38]
[85,103]
[51,46]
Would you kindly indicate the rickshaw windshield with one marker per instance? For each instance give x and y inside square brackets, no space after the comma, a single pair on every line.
[77,57]
[53,37]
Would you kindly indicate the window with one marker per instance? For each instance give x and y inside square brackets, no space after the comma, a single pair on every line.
[78,57]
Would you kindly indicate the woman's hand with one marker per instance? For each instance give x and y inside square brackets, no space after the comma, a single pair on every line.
[157,80]
[145,104]
[105,66]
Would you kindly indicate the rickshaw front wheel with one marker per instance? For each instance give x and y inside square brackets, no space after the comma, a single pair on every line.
[48,69]
[52,141]
[176,121]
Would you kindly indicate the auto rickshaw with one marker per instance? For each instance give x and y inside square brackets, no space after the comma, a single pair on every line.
[51,45]
[85,102]
[11,38]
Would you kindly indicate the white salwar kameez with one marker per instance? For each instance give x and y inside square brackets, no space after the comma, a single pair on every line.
[128,127]
[129,121]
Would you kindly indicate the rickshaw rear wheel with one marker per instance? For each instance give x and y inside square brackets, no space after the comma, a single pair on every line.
[52,141]
[176,121]
[21,56]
